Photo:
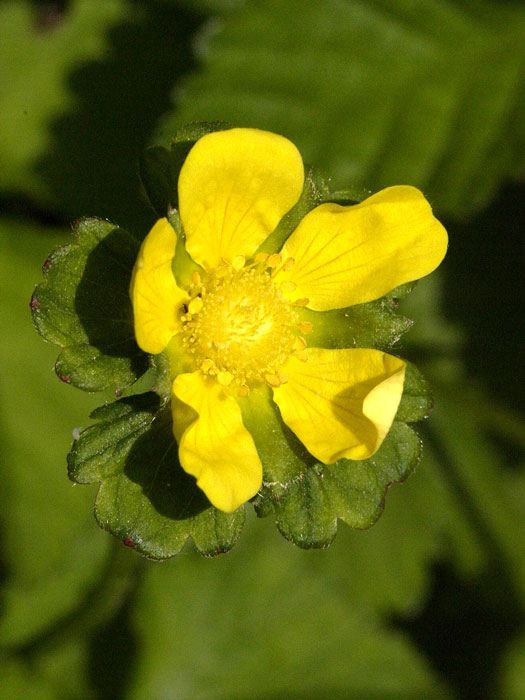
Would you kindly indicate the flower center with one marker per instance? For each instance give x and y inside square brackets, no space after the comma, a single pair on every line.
[239,327]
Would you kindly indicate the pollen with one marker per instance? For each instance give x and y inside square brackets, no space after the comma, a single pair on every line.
[238,326]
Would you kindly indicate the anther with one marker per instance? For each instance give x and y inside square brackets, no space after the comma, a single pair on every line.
[238,262]
[273,379]
[207,366]
[299,344]
[273,260]
[301,302]
[288,264]
[195,305]
[196,278]
[305,327]
[225,378]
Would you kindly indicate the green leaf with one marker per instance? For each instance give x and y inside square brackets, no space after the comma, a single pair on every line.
[145,498]
[34,65]
[268,606]
[83,306]
[416,402]
[375,93]
[376,324]
[50,549]
[307,509]
[307,498]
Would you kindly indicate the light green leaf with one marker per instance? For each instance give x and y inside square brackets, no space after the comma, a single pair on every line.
[262,608]
[376,93]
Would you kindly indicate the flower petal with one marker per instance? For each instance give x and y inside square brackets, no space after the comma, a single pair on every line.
[214,445]
[347,255]
[234,187]
[154,293]
[341,403]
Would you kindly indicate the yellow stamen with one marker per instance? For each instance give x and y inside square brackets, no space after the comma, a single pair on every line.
[273,379]
[238,262]
[196,278]
[225,378]
[299,344]
[305,327]
[301,302]
[195,305]
[207,365]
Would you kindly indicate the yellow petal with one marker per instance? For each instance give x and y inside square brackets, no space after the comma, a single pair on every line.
[214,445]
[353,254]
[234,187]
[341,403]
[155,295]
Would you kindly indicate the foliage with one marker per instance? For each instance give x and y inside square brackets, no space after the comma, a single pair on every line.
[427,93]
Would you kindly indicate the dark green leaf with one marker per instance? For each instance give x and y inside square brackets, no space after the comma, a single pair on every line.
[416,402]
[158,179]
[308,508]
[84,307]
[145,498]
[375,93]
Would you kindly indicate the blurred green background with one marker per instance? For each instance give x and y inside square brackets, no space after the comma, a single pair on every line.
[430,601]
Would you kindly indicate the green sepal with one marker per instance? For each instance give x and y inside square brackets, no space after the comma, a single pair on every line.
[306,510]
[376,324]
[417,402]
[83,306]
[159,167]
[305,497]
[145,498]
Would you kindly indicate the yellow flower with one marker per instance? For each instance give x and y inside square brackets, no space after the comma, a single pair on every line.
[233,320]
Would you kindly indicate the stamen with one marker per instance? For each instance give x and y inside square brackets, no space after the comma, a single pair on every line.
[196,278]
[273,380]
[195,305]
[240,328]
[225,378]
[238,262]
[273,261]
[301,302]
[305,327]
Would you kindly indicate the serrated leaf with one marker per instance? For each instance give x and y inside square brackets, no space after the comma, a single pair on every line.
[307,509]
[375,93]
[84,307]
[145,497]
[416,402]
[307,498]
[376,324]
